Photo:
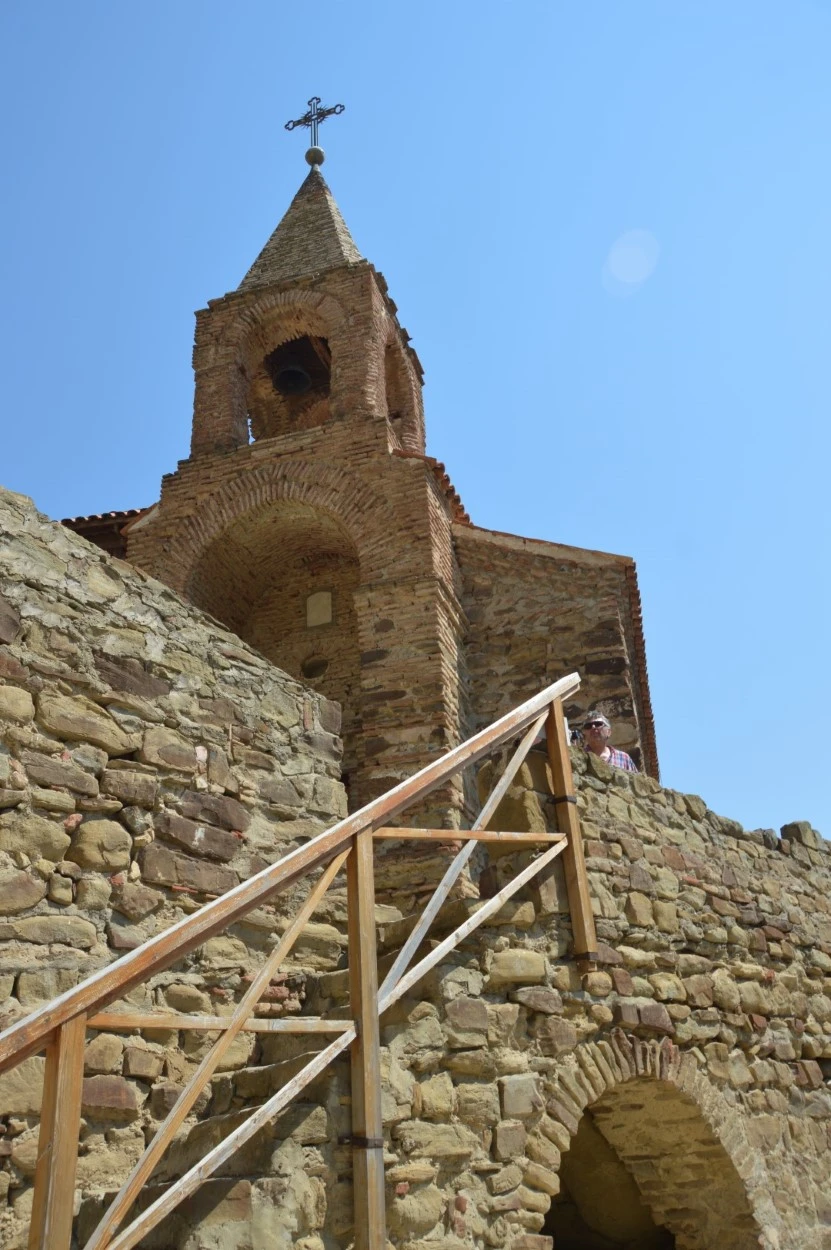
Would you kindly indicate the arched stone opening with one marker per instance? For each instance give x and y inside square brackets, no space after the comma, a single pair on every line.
[403,399]
[599,1206]
[659,1162]
[282,576]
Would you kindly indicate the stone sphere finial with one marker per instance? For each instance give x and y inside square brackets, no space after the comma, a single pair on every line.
[315,156]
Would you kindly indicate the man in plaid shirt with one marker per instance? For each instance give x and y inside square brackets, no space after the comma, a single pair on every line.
[596,734]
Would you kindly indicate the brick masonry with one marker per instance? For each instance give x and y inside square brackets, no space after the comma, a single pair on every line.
[438,625]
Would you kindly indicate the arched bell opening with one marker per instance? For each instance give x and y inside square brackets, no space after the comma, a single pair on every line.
[290,387]
[645,1171]
[403,399]
[283,578]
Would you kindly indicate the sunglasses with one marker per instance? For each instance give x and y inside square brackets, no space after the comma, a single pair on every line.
[595,724]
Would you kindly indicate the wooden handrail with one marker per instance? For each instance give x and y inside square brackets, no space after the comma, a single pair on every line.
[31,1034]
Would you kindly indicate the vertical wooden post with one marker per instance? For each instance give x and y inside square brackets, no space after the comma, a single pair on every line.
[367,1124]
[54,1197]
[568,822]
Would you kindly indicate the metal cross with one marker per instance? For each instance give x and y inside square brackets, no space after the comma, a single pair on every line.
[314,117]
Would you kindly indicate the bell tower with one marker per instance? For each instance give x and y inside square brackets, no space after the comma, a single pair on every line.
[308,518]
[310,337]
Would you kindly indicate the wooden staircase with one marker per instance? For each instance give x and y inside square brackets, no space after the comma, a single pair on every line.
[59,1027]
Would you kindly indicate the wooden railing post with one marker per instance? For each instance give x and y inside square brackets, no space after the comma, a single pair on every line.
[60,1118]
[367,1124]
[568,822]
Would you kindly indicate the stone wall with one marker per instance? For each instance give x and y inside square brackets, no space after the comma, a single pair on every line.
[149,761]
[536,610]
[676,1095]
[690,1072]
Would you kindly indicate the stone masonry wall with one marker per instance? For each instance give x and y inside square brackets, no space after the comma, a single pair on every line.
[678,1090]
[537,610]
[690,1071]
[149,761]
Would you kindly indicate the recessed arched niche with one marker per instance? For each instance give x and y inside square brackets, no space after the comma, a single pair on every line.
[283,577]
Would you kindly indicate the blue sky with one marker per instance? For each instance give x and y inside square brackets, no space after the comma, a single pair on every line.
[606,228]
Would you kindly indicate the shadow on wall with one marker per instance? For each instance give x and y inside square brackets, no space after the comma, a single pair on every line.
[599,1206]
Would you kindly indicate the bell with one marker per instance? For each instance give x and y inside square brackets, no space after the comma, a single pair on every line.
[292,379]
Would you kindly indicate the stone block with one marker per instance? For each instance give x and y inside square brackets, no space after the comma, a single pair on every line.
[655,1018]
[39,984]
[667,987]
[161,866]
[215,809]
[132,788]
[110,1098]
[165,748]
[78,719]
[509,1139]
[542,1178]
[21,1088]
[520,1094]
[207,840]
[68,930]
[102,845]
[555,1036]
[801,831]
[436,1097]
[467,1015]
[538,998]
[135,901]
[48,771]
[104,1054]
[16,704]
[142,1063]
[9,621]
[34,835]
[19,891]
[436,1141]
[639,910]
[60,889]
[515,967]
[477,1104]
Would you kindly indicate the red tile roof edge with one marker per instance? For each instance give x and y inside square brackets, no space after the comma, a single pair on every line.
[457,508]
[127,514]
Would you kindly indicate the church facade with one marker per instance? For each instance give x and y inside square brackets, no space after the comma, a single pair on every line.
[309,519]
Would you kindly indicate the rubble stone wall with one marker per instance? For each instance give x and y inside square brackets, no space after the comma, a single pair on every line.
[680,1089]
[690,1071]
[149,761]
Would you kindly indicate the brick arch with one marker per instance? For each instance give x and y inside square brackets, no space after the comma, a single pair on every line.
[363,514]
[402,389]
[323,309]
[675,1134]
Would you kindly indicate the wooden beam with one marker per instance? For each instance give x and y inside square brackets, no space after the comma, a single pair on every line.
[451,876]
[29,1035]
[465,835]
[568,822]
[367,1121]
[60,1126]
[127,1194]
[129,1021]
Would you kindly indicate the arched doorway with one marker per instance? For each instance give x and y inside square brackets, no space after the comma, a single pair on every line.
[658,1159]
[283,577]
[599,1206]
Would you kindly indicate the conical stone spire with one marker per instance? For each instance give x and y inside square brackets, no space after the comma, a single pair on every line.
[311,237]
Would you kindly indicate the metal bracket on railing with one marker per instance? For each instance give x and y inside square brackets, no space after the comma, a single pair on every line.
[564,798]
[361,1143]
